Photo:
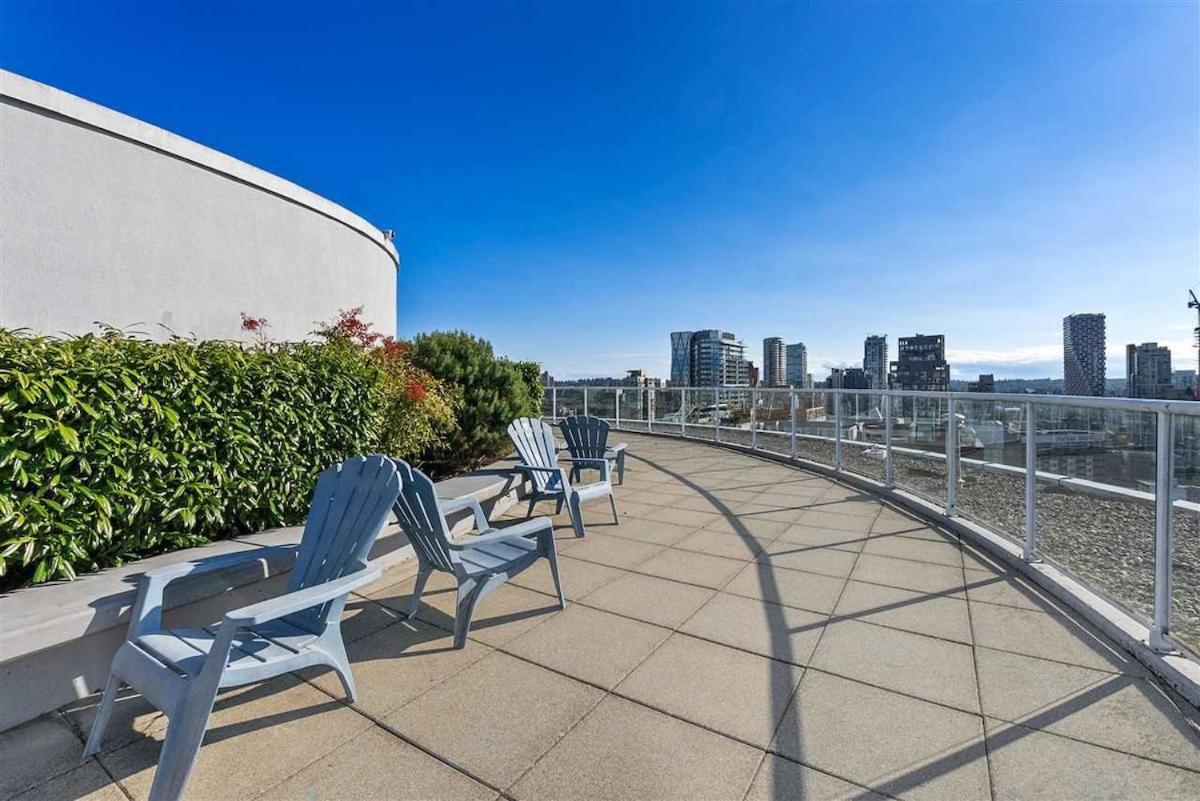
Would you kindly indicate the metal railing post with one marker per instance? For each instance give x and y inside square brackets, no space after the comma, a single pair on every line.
[585,403]
[951,459]
[683,412]
[650,409]
[617,394]
[753,419]
[1030,549]
[792,406]
[717,415]
[837,430]
[888,476]
[554,403]
[1162,535]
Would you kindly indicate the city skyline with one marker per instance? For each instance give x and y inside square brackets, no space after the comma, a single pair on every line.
[815,172]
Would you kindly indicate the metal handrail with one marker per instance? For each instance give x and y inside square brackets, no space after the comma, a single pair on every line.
[1165,412]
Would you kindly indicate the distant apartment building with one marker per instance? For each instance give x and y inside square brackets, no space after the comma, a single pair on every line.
[796,358]
[752,372]
[1148,371]
[986,383]
[875,361]
[1083,354]
[1183,379]
[708,358]
[922,364]
[681,357]
[848,378]
[639,403]
[808,381]
[774,363]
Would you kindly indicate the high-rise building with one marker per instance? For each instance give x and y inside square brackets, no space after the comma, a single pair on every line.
[796,358]
[875,361]
[773,363]
[986,383]
[752,373]
[1148,371]
[922,364]
[681,352]
[710,358]
[1083,354]
[847,378]
[1183,379]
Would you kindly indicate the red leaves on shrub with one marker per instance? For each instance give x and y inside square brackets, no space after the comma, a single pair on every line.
[415,392]
[350,325]
[253,325]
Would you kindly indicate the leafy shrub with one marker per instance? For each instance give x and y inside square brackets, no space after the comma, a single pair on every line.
[418,409]
[491,393]
[114,448]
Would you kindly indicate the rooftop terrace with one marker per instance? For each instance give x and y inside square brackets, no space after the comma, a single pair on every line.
[748,631]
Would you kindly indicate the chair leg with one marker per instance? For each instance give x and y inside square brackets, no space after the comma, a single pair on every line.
[414,603]
[337,650]
[552,556]
[468,596]
[102,716]
[576,512]
[621,468]
[558,506]
[533,499]
[612,501]
[185,733]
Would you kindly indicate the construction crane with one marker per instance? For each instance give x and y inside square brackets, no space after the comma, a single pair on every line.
[1195,304]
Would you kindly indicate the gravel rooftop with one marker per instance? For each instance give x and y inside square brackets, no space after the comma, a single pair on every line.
[748,631]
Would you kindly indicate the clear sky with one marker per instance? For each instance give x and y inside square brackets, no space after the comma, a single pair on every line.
[575,180]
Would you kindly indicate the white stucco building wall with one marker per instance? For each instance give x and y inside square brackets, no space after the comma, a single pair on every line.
[106,218]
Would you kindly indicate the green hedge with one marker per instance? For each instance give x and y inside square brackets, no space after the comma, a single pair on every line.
[491,393]
[114,448]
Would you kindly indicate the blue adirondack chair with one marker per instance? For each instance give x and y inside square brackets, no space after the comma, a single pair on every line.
[479,564]
[539,459]
[587,438]
[180,670]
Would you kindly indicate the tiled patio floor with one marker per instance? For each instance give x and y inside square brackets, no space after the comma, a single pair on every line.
[748,631]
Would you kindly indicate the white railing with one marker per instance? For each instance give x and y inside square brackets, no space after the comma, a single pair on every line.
[1070,479]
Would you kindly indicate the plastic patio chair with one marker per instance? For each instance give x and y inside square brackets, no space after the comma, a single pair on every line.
[587,439]
[179,671]
[539,459]
[478,564]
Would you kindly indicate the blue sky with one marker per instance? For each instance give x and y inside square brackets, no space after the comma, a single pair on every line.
[573,181]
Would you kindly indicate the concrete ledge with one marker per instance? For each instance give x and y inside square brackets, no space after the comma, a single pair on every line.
[1178,669]
[57,640]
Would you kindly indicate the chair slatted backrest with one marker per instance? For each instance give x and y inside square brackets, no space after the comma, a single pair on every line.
[349,506]
[535,445]
[587,437]
[420,515]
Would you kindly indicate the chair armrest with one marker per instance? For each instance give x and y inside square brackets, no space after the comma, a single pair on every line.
[468,502]
[292,602]
[619,447]
[562,474]
[517,532]
[148,608]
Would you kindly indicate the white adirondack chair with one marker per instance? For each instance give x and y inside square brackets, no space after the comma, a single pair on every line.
[479,564]
[539,459]
[180,670]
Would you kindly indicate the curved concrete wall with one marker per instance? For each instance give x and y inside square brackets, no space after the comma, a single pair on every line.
[105,218]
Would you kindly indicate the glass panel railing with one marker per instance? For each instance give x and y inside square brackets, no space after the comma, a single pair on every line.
[700,407]
[1095,499]
[991,465]
[602,403]
[814,428]
[666,410]
[1185,562]
[569,401]
[863,435]
[919,446]
[735,416]
[773,421]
